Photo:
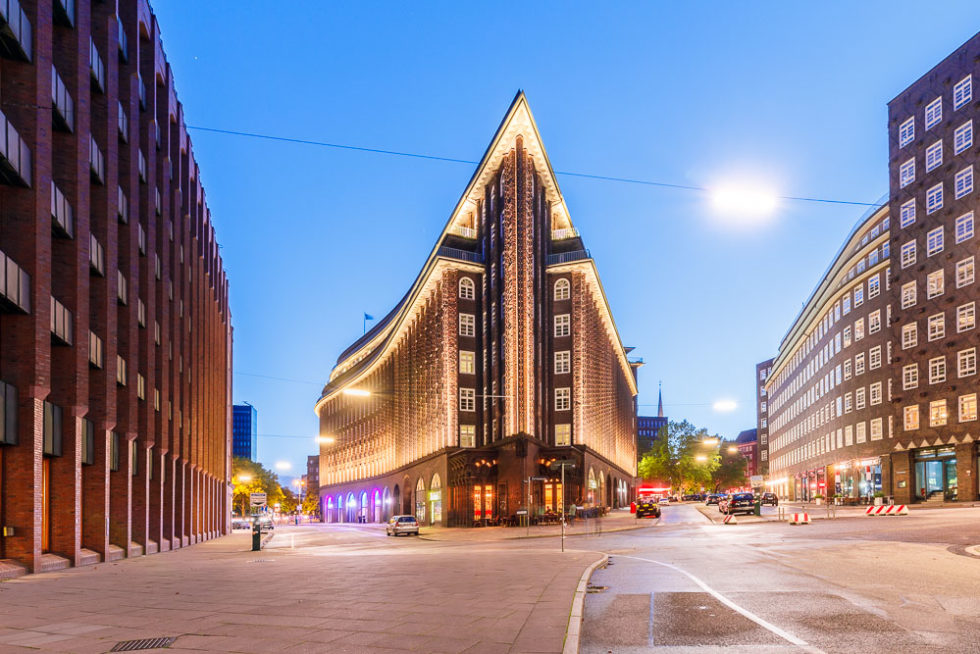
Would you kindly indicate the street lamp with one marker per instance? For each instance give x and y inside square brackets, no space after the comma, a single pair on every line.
[732,449]
[283,465]
[713,440]
[700,458]
[724,405]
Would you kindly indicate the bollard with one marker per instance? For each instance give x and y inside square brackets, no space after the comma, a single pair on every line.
[256,536]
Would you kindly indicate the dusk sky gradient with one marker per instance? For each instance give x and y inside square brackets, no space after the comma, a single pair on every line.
[790,96]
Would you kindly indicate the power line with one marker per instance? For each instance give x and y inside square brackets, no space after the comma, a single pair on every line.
[432,157]
[285,379]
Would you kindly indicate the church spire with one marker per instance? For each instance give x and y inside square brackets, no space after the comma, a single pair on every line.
[660,400]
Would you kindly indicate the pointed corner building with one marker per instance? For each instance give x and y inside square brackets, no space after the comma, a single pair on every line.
[502,357]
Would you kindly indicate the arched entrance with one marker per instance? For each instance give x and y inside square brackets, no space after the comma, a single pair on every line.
[420,501]
[378,507]
[590,497]
[435,500]
[396,500]
[351,508]
[362,510]
[328,515]
[386,508]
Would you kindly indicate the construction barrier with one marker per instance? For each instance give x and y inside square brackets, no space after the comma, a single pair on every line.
[799,519]
[875,510]
[730,520]
[897,509]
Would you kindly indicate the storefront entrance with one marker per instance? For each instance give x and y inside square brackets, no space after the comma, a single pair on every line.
[482,503]
[935,474]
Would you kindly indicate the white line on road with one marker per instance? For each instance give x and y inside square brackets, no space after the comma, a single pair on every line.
[785,635]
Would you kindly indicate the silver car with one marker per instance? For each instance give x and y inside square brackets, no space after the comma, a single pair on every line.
[402,524]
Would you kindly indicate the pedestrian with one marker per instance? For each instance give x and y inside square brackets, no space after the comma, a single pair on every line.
[571,514]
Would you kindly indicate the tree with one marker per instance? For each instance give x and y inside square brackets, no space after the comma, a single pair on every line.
[311,503]
[288,502]
[679,457]
[731,471]
[250,477]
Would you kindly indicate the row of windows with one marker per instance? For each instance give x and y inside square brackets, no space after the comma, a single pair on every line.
[467,289]
[933,115]
[966,366]
[467,324]
[846,436]
[467,362]
[966,319]
[563,435]
[938,413]
[936,240]
[936,284]
[563,399]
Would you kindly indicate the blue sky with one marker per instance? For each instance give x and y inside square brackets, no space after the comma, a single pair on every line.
[690,93]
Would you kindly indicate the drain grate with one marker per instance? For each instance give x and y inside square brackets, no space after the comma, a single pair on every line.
[260,561]
[594,589]
[143,643]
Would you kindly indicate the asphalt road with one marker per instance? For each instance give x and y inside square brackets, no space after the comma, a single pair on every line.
[855,584]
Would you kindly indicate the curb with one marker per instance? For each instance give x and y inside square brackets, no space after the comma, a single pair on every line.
[573,632]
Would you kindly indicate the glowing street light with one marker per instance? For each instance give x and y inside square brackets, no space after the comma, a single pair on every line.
[743,200]
[700,458]
[732,449]
[245,478]
[283,465]
[710,441]
[724,405]
[357,392]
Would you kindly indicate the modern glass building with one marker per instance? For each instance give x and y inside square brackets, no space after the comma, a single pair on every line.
[244,431]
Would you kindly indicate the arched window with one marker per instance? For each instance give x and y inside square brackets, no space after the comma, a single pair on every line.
[435,499]
[563,290]
[420,501]
[467,291]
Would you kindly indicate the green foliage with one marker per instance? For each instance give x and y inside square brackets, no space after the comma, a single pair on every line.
[250,477]
[731,469]
[311,503]
[679,457]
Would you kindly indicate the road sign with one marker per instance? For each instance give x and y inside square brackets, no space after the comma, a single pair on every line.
[539,479]
[755,480]
[557,465]
[258,499]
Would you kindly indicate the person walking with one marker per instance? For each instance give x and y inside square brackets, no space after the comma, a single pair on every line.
[571,514]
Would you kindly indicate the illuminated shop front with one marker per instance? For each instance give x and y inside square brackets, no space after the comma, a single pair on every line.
[935,473]
[858,479]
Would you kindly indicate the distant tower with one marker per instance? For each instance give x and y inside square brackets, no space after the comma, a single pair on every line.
[648,427]
[660,399]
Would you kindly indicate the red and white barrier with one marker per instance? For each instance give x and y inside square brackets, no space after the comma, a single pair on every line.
[890,509]
[799,518]
[730,520]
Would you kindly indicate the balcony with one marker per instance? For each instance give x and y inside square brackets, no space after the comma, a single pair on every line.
[15,157]
[564,233]
[455,253]
[15,31]
[15,286]
[568,257]
[63,116]
[465,232]
[64,12]
[62,216]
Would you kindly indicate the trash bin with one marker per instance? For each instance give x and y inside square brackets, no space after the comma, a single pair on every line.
[757,509]
[256,536]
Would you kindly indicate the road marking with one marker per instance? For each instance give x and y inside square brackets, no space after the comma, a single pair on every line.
[785,635]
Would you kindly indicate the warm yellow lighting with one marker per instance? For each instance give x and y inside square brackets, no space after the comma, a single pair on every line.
[743,200]
[357,392]
[700,458]
[732,449]
[244,478]
[724,405]
[710,441]
[326,440]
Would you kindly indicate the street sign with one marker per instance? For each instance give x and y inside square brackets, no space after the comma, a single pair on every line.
[557,465]
[257,499]
[755,480]
[539,479]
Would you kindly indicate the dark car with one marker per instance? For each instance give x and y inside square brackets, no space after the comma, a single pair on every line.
[646,507]
[739,503]
[713,499]
[770,498]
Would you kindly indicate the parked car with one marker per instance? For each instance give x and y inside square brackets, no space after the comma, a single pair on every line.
[646,507]
[402,524]
[770,498]
[265,521]
[240,522]
[739,503]
[713,499]
[663,500]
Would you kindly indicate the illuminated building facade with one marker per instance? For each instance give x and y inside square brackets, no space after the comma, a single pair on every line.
[875,387]
[502,357]
[115,333]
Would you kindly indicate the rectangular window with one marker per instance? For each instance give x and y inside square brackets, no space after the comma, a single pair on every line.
[859,401]
[934,113]
[907,213]
[910,335]
[120,370]
[52,429]
[968,407]
[934,198]
[911,417]
[95,351]
[563,399]
[963,137]
[467,399]
[859,432]
[563,362]
[876,433]
[847,337]
[874,286]
[962,92]
[938,415]
[934,241]
[875,393]
[467,435]
[563,324]
[964,272]
[467,324]
[908,295]
[964,182]
[847,304]
[874,321]
[906,173]
[966,317]
[563,435]
[908,254]
[910,376]
[848,402]
[935,284]
[874,357]
[937,370]
[847,369]
[966,362]
[467,362]
[848,435]
[934,156]
[859,363]
[937,326]
[906,132]
[858,296]
[858,329]
[964,227]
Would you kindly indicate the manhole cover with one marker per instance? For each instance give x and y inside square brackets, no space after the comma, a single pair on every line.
[143,643]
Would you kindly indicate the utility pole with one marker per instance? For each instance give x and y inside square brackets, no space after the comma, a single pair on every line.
[563,463]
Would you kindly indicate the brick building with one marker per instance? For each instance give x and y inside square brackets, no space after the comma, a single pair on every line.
[875,386]
[115,334]
[502,357]
[747,443]
[762,372]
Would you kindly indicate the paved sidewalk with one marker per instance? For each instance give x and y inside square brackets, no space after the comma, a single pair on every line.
[617,520]
[370,594]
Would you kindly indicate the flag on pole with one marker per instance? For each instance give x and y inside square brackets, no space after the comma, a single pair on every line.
[368,316]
